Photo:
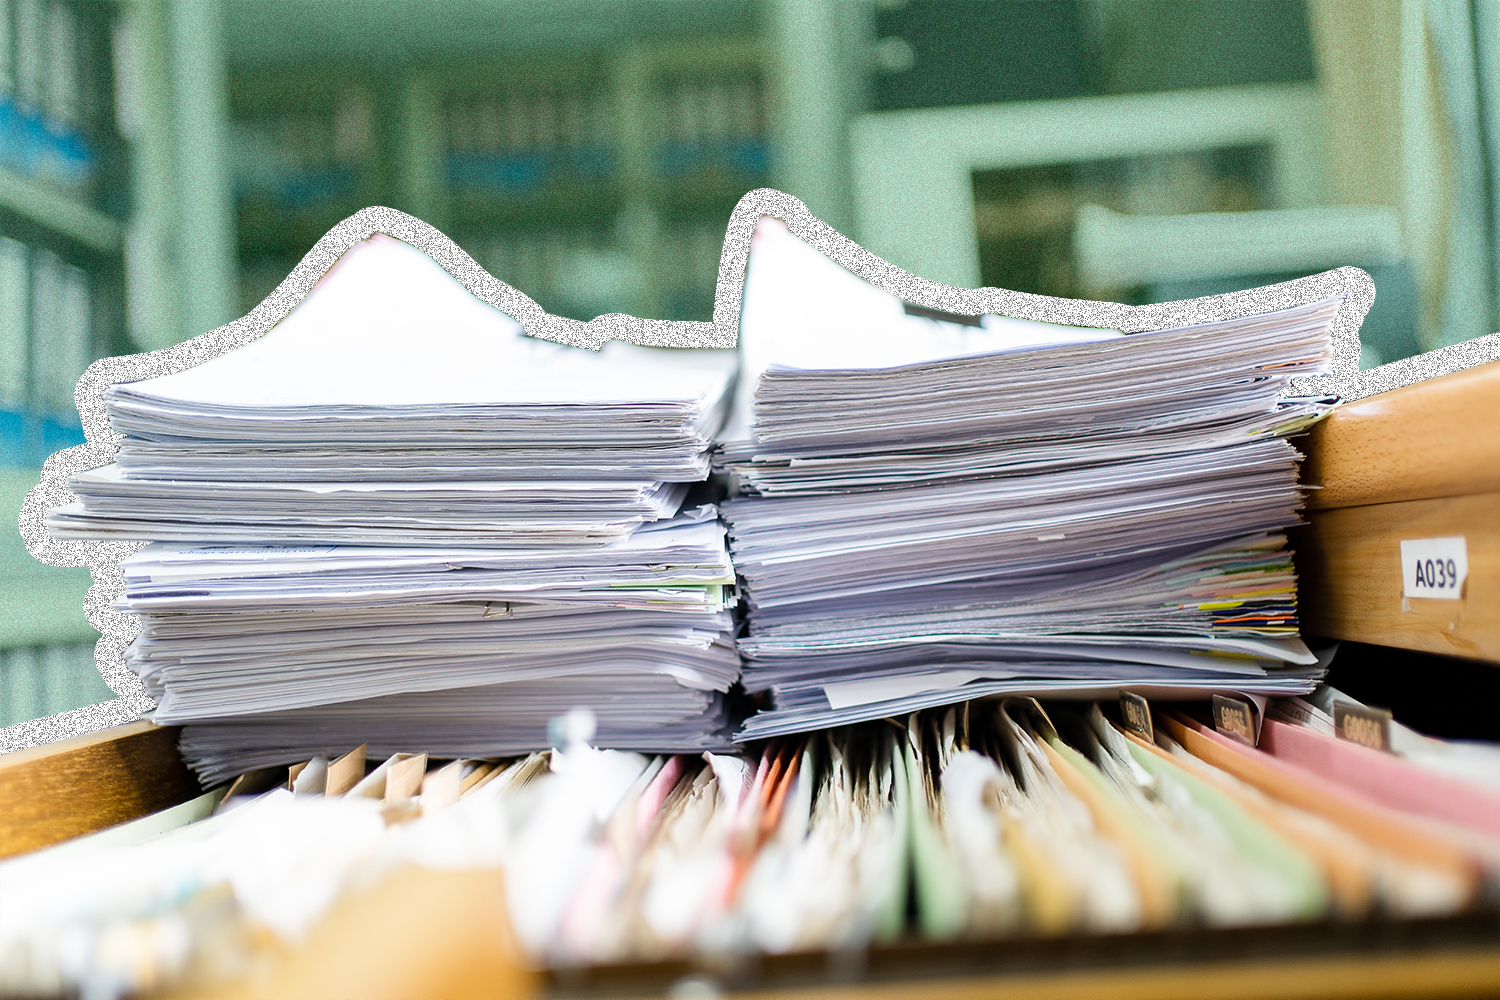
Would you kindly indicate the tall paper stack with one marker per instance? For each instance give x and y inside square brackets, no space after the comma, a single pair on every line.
[397,520]
[937,507]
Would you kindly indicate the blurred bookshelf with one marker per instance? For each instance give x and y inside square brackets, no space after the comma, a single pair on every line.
[64,172]
[709,145]
[303,155]
[61,238]
[593,182]
[539,144]
[46,643]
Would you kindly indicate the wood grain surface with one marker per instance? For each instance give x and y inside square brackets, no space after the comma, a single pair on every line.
[65,789]
[1350,585]
[416,935]
[1456,973]
[1437,438]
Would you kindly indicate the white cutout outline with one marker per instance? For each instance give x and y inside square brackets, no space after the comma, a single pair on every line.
[118,629]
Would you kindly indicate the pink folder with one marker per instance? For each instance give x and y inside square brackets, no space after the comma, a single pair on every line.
[1384,777]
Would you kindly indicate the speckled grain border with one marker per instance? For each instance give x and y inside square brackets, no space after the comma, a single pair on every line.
[103,558]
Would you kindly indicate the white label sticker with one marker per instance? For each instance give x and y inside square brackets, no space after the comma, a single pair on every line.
[1434,567]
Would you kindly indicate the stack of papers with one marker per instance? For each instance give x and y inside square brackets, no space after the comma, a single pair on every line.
[933,507]
[395,519]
